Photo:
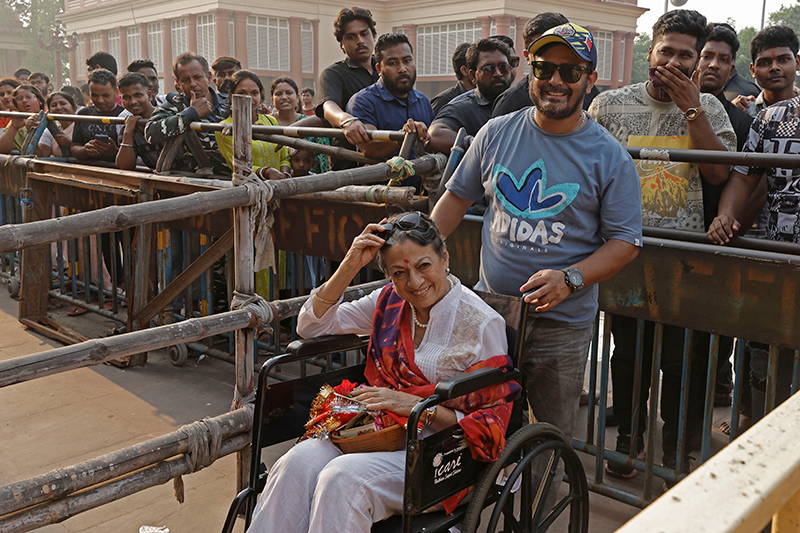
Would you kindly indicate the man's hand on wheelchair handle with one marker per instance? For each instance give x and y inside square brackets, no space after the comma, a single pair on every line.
[550,289]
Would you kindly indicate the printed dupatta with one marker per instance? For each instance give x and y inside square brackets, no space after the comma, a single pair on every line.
[390,363]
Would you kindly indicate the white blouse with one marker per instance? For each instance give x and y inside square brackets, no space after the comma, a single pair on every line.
[462,329]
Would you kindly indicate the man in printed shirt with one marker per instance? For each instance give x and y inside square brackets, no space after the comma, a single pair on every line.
[667,111]
[197,102]
[563,215]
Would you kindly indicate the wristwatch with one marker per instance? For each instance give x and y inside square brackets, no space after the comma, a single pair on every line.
[573,278]
[693,112]
[431,415]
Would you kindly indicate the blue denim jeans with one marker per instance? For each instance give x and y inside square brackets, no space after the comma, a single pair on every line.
[553,366]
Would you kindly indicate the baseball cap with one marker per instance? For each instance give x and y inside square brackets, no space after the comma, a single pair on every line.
[578,38]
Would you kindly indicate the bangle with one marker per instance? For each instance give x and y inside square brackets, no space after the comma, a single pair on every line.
[431,411]
[347,121]
[125,144]
[323,300]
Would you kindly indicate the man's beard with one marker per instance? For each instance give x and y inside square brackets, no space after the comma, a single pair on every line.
[226,86]
[557,111]
[492,91]
[394,88]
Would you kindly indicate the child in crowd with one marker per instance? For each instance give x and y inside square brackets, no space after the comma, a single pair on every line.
[302,161]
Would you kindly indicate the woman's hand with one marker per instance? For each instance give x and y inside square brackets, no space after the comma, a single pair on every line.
[32,122]
[63,139]
[383,399]
[269,173]
[18,123]
[364,248]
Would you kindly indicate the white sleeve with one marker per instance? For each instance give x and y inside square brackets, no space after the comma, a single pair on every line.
[47,139]
[348,317]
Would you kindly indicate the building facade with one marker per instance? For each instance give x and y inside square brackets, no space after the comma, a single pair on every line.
[275,38]
[12,51]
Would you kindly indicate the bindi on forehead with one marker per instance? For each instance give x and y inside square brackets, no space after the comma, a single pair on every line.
[406,261]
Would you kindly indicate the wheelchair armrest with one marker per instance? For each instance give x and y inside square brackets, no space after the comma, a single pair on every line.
[303,348]
[472,381]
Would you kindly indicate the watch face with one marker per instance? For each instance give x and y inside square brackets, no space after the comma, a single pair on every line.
[575,278]
[691,113]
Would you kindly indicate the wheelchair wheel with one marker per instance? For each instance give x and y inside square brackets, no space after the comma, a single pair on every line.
[547,447]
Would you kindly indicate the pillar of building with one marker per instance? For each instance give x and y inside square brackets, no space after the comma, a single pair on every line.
[123,48]
[144,44]
[503,24]
[630,37]
[616,50]
[520,37]
[240,30]
[486,26]
[315,30]
[104,40]
[87,50]
[73,67]
[296,49]
[411,32]
[191,32]
[221,32]
[166,51]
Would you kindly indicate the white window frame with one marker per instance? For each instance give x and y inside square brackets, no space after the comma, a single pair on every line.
[179,34]
[268,43]
[604,40]
[95,43]
[134,44]
[206,37]
[437,42]
[307,47]
[114,46]
[155,45]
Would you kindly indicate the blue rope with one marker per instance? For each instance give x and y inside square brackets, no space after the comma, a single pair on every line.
[26,201]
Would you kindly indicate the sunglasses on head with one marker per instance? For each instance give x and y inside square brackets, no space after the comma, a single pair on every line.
[407,222]
[544,70]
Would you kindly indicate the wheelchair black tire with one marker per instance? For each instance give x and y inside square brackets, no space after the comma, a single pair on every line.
[521,448]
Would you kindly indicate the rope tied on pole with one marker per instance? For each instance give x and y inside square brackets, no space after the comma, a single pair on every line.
[256,305]
[403,167]
[261,215]
[204,442]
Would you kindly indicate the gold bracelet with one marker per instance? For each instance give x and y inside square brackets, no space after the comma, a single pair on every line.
[323,300]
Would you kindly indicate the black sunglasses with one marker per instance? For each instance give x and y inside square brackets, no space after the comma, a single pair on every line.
[544,70]
[504,69]
[408,222]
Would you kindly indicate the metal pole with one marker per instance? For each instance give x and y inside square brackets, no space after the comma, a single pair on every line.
[763,12]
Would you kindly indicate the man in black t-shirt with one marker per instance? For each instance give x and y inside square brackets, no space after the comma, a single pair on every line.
[489,62]
[462,75]
[98,141]
[355,30]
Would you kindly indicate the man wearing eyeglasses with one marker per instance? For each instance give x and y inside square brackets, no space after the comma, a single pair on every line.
[564,213]
[668,111]
[490,63]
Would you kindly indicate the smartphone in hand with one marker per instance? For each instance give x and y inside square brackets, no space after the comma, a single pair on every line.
[103,138]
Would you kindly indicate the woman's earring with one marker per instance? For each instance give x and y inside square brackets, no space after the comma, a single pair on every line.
[447,270]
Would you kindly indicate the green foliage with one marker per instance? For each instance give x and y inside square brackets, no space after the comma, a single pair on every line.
[743,56]
[640,65]
[35,15]
[787,16]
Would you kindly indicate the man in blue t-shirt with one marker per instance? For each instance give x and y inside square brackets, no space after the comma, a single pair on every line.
[392,103]
[564,214]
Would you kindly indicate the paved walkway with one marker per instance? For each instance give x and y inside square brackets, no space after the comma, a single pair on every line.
[60,420]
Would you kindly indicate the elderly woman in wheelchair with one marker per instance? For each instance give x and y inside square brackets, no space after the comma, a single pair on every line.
[425,327]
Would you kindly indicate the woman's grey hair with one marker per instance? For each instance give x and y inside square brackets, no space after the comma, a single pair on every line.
[424,234]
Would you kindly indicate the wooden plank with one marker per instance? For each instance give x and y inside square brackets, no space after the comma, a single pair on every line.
[184,279]
[244,274]
[35,267]
[143,267]
[54,330]
[740,488]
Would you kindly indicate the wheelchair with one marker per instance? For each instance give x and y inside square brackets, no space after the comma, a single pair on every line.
[517,485]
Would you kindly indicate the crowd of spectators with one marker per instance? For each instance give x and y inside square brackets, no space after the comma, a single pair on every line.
[694,99]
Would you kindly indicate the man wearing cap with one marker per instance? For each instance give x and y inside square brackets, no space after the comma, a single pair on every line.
[668,111]
[564,213]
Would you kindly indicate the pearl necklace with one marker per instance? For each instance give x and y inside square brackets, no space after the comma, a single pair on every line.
[414,314]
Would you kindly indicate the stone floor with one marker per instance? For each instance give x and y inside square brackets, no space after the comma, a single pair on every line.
[60,420]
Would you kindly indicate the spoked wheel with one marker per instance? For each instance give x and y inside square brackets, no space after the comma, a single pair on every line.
[531,461]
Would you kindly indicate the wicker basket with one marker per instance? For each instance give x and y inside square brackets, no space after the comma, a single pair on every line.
[390,439]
